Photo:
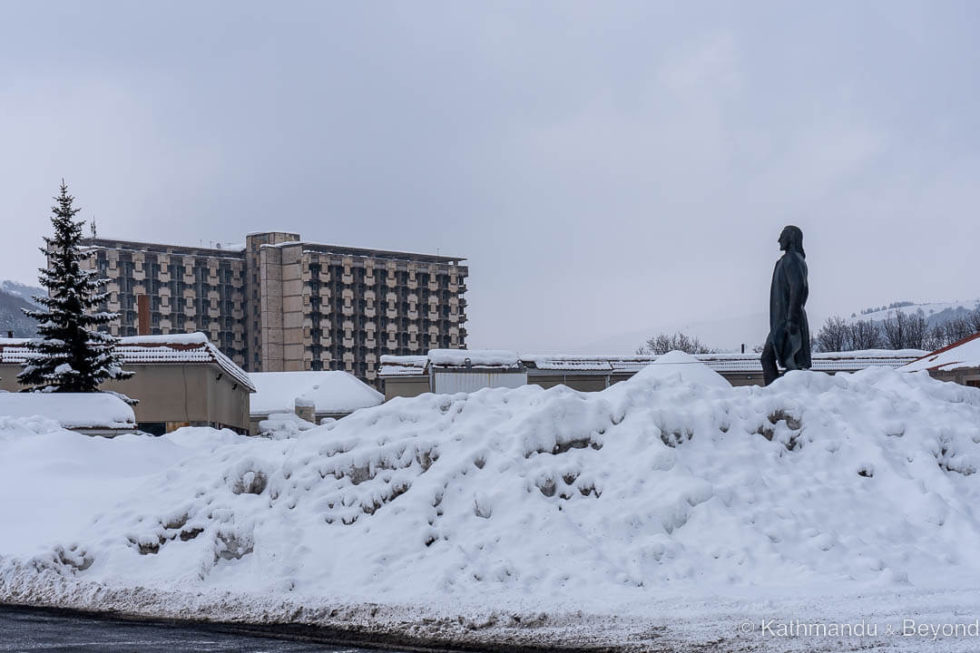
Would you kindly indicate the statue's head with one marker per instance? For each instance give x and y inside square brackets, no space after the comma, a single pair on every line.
[791,240]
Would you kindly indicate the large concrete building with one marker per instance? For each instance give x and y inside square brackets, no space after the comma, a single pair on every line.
[280,304]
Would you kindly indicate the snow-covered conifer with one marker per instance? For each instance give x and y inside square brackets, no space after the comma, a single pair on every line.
[70,354]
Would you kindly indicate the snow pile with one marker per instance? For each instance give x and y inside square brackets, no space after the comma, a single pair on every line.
[56,481]
[680,367]
[663,487]
[70,409]
[280,426]
[329,392]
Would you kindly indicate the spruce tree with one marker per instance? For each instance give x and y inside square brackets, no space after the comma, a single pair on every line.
[70,354]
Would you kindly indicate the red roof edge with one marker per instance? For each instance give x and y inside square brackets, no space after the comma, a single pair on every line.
[941,350]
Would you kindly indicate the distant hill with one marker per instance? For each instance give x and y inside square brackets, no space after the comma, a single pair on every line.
[935,312]
[13,298]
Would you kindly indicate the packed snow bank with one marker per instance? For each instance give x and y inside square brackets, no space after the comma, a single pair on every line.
[284,425]
[653,494]
[55,482]
[87,410]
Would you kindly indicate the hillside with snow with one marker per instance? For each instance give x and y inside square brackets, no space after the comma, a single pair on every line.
[660,514]
[730,332]
[935,312]
[14,299]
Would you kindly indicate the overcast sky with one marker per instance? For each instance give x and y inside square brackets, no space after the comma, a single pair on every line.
[604,166]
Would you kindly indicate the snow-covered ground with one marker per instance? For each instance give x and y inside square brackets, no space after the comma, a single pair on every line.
[667,512]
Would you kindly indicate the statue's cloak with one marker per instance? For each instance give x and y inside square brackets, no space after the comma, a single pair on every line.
[787,297]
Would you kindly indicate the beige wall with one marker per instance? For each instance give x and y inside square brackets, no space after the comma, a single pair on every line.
[409,386]
[8,377]
[173,393]
[967,376]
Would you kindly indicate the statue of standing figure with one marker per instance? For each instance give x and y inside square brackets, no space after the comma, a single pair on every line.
[789,334]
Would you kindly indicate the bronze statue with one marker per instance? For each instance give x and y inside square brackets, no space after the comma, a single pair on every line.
[789,334]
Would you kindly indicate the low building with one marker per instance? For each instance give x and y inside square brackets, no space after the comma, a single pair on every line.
[404,376]
[407,376]
[91,413]
[313,396]
[958,362]
[448,371]
[179,380]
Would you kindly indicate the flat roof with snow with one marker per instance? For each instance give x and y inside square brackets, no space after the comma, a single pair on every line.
[848,361]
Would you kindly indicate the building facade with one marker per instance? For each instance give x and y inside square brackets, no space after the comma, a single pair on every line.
[281,304]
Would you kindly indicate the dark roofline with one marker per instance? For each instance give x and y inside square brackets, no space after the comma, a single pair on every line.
[164,248]
[161,248]
[370,252]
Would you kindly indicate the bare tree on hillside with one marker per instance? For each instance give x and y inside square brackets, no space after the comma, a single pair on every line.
[906,331]
[865,334]
[664,342]
[834,335]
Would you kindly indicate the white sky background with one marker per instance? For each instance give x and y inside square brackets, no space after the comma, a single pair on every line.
[605,167]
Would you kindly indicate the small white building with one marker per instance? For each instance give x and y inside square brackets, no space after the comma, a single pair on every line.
[313,395]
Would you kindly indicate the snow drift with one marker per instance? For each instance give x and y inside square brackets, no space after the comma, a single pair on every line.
[667,485]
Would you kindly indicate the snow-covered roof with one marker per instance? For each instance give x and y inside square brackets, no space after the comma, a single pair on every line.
[474,358]
[392,365]
[329,391]
[177,348]
[585,363]
[92,410]
[848,361]
[960,354]
[845,361]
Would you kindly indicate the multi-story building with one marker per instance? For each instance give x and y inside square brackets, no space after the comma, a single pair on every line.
[281,304]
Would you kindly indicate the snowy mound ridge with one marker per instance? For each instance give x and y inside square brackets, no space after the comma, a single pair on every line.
[654,485]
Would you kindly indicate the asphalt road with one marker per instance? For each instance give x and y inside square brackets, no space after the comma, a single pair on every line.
[27,629]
